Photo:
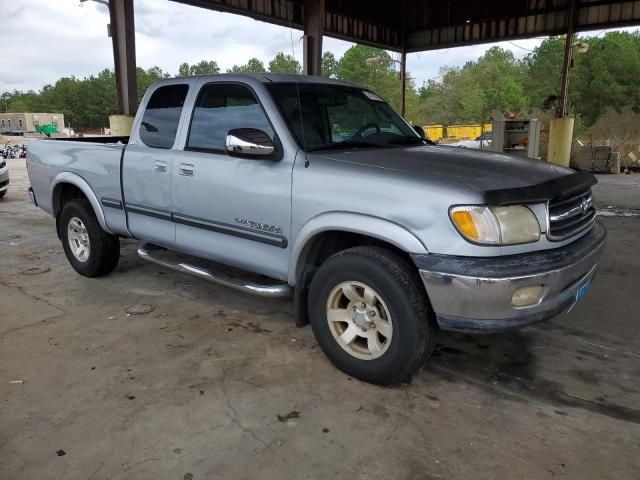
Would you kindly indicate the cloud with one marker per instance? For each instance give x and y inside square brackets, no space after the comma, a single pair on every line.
[44,40]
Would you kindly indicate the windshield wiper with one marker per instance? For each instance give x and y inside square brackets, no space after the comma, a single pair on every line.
[345,145]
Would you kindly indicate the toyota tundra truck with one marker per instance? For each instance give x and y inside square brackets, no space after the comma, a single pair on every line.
[284,185]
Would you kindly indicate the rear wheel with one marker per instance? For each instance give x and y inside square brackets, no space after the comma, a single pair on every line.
[370,315]
[91,251]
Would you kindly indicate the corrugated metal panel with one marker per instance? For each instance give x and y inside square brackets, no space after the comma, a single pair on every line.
[528,19]
[279,12]
[353,29]
[432,24]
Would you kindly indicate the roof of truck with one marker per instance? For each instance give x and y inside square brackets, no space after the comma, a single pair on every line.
[276,78]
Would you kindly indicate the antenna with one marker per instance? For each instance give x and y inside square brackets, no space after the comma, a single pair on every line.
[304,143]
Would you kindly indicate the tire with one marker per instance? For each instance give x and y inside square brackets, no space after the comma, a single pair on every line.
[103,250]
[399,295]
[2,194]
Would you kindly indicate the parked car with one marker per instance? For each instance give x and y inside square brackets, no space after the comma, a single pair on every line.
[480,142]
[4,177]
[381,237]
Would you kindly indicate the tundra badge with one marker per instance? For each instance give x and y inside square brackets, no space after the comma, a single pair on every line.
[259,226]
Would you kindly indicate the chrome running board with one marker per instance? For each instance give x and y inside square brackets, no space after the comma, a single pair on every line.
[160,256]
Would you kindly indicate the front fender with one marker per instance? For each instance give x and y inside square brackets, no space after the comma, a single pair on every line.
[76,180]
[371,226]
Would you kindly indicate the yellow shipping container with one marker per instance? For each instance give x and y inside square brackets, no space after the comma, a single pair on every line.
[434,132]
[464,132]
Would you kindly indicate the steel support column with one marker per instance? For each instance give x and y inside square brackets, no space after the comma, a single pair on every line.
[403,58]
[403,80]
[122,32]
[314,17]
[568,54]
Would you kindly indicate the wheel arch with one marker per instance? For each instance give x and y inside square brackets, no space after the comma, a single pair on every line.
[377,229]
[63,182]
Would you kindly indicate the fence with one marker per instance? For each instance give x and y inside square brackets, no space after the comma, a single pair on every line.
[618,129]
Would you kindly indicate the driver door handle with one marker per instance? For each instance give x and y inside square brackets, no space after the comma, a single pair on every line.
[160,166]
[186,170]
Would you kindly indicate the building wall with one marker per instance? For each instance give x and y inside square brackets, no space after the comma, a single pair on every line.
[26,122]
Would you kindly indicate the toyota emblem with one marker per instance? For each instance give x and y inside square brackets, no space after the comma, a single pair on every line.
[584,205]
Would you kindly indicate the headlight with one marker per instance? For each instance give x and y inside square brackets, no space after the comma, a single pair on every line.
[496,225]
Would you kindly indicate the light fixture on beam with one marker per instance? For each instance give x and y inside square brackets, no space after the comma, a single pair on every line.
[378,60]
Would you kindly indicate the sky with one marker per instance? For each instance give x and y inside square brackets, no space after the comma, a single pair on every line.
[44,40]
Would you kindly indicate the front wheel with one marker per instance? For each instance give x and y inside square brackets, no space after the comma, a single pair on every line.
[370,315]
[91,251]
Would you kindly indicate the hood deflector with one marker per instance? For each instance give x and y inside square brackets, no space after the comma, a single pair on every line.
[560,187]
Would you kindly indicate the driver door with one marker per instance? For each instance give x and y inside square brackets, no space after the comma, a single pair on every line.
[227,208]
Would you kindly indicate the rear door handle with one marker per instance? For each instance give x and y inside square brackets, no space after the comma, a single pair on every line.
[186,170]
[160,167]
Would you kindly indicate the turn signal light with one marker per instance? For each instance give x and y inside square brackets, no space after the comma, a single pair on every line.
[464,221]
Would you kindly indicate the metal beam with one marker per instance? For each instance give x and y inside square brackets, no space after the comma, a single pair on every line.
[314,17]
[122,30]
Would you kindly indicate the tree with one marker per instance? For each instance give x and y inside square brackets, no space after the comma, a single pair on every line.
[183,70]
[605,76]
[471,92]
[500,76]
[379,77]
[329,65]
[203,67]
[353,66]
[253,65]
[284,64]
[544,70]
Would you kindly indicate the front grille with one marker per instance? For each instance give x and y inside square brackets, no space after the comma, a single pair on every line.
[570,216]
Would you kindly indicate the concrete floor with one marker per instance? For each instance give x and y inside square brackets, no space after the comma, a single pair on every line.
[193,389]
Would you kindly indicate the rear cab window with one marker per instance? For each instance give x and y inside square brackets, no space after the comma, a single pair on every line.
[162,115]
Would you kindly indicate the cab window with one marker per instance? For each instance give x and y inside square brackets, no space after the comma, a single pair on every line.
[220,108]
[162,115]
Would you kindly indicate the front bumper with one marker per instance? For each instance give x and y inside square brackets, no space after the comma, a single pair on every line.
[474,294]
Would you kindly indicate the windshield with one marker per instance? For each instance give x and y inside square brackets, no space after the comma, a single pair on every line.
[335,116]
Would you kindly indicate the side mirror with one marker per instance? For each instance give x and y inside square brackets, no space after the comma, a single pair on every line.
[420,131]
[249,142]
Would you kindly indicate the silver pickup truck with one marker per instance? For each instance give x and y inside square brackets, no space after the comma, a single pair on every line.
[318,189]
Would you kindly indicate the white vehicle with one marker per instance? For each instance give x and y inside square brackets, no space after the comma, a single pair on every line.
[484,140]
[4,177]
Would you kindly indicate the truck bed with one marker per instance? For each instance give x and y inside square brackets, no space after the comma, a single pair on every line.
[94,162]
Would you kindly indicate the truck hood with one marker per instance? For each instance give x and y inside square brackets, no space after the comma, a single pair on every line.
[475,170]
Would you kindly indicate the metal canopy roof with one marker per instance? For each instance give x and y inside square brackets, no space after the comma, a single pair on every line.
[419,25]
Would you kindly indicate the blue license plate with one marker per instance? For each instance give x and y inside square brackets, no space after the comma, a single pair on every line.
[579,294]
[583,290]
